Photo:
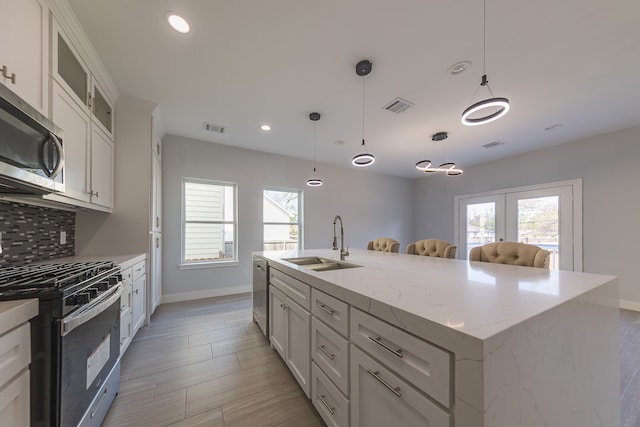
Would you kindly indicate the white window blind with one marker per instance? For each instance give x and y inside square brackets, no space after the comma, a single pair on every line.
[209,233]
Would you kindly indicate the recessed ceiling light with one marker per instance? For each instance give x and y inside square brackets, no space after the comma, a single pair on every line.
[460,67]
[265,127]
[178,23]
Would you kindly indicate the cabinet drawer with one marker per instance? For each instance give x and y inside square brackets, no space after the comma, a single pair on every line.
[125,298]
[381,398]
[332,311]
[296,290]
[15,352]
[331,352]
[332,406]
[14,402]
[127,277]
[423,364]
[139,270]
[125,331]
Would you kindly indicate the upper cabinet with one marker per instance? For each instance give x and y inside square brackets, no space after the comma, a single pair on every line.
[24,50]
[74,76]
[81,108]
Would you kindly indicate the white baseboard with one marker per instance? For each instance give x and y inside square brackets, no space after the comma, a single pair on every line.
[188,296]
[630,305]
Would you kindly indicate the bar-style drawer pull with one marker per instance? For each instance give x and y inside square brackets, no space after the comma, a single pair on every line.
[324,308]
[6,74]
[395,390]
[378,341]
[324,350]
[326,405]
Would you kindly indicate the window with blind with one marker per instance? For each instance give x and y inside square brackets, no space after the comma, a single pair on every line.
[209,222]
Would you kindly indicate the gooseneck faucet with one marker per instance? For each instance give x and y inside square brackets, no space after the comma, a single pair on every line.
[343,253]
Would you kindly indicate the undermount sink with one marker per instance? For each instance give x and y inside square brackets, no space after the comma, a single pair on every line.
[320,264]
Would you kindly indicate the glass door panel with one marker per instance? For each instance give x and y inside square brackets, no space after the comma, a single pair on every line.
[539,224]
[481,222]
[544,218]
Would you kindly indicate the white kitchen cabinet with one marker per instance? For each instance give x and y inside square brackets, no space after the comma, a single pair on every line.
[138,292]
[80,108]
[15,357]
[380,398]
[89,153]
[14,402]
[126,330]
[102,155]
[277,321]
[76,125]
[330,352]
[423,364]
[290,328]
[330,403]
[155,273]
[24,50]
[132,300]
[71,72]
[156,196]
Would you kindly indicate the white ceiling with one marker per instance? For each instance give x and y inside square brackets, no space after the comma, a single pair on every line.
[249,62]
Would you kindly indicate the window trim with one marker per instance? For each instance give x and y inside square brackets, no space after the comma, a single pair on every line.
[300,222]
[185,265]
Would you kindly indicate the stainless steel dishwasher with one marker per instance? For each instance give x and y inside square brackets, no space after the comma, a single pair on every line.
[260,294]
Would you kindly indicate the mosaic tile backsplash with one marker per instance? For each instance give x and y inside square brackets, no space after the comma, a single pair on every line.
[32,233]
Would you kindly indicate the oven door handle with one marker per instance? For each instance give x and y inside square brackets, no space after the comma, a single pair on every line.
[83,315]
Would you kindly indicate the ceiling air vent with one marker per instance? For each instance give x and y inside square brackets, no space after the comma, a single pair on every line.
[210,127]
[493,144]
[398,105]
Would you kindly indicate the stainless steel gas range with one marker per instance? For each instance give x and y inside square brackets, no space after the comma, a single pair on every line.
[75,339]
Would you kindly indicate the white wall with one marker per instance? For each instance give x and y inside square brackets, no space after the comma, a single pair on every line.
[609,165]
[371,205]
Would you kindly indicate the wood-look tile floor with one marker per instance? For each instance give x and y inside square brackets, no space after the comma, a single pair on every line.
[205,363]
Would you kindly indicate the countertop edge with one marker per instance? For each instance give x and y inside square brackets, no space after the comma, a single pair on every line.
[14,313]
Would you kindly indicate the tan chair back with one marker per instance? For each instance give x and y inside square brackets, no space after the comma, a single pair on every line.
[432,247]
[384,244]
[512,253]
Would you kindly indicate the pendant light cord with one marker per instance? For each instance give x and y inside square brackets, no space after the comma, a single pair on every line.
[363,112]
[484,37]
[314,146]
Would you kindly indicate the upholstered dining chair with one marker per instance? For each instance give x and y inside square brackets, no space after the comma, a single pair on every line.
[384,244]
[432,247]
[513,253]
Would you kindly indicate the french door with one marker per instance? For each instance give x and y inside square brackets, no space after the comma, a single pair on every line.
[548,216]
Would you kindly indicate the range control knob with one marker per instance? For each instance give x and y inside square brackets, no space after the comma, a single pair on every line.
[119,277]
[82,298]
[93,292]
[103,286]
[113,280]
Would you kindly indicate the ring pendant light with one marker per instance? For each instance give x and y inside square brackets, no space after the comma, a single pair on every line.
[449,168]
[363,68]
[497,106]
[315,181]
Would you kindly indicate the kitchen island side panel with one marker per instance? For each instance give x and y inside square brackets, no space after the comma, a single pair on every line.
[569,354]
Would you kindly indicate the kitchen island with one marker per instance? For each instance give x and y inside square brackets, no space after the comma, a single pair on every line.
[512,346]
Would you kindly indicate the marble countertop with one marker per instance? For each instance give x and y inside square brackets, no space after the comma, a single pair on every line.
[477,299]
[16,312]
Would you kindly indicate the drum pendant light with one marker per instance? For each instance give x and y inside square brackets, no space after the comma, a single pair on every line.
[363,68]
[315,181]
[496,106]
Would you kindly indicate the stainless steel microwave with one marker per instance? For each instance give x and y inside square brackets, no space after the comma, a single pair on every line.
[31,150]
